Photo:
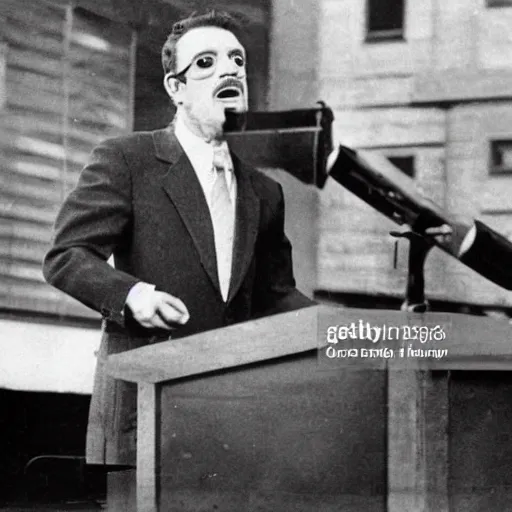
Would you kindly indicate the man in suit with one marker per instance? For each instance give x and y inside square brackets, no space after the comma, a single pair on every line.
[197,236]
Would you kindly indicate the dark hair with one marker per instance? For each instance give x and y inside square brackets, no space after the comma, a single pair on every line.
[220,19]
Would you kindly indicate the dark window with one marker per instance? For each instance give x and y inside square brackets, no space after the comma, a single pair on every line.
[404,163]
[385,20]
[501,157]
[499,3]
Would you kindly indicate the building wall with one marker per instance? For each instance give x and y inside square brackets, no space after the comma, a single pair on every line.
[440,94]
[293,75]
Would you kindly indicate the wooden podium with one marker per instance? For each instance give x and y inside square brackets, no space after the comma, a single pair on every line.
[257,417]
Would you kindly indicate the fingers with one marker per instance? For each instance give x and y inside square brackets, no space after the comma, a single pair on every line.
[153,309]
[171,310]
[154,321]
[177,304]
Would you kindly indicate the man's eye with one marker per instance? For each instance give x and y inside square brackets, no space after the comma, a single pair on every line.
[205,62]
[239,60]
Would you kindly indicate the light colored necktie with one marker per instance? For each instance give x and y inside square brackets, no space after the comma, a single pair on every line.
[222,214]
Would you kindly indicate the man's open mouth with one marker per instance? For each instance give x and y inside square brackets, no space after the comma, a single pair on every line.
[228,92]
[228,89]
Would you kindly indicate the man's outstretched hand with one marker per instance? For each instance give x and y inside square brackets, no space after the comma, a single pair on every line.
[154,309]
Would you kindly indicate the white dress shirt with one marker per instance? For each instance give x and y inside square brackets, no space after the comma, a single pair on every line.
[200,154]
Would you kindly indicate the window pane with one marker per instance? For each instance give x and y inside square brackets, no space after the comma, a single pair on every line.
[385,16]
[501,157]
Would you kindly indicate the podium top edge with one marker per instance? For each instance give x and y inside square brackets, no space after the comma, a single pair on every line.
[471,338]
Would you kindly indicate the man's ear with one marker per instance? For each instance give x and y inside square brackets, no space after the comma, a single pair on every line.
[173,87]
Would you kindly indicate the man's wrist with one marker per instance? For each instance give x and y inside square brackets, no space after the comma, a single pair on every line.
[137,291]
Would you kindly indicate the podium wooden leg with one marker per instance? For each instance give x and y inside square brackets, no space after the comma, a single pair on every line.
[417,441]
[148,447]
[121,491]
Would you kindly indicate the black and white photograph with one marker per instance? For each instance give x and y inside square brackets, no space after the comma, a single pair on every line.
[256,255]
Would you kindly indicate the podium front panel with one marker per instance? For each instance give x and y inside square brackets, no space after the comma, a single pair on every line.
[287,435]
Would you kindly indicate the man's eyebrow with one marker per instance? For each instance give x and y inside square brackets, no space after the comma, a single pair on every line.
[237,51]
[204,52]
[234,51]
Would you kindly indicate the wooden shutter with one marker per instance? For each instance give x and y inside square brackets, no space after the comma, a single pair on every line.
[68,85]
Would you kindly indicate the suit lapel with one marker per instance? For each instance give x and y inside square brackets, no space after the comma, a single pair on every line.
[246,226]
[184,190]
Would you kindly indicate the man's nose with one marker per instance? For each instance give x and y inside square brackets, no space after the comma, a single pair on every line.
[228,67]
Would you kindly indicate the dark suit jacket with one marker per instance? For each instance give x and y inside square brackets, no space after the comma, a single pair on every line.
[140,200]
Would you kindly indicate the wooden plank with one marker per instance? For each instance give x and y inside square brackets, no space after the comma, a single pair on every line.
[13,209]
[89,96]
[22,271]
[35,82]
[148,445]
[30,168]
[24,231]
[45,16]
[16,289]
[25,251]
[97,116]
[18,299]
[49,45]
[100,91]
[45,149]
[41,297]
[417,441]
[105,64]
[16,121]
[39,191]
[23,60]
[24,99]
[259,340]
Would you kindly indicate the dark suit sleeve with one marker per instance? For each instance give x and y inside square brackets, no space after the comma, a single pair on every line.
[275,290]
[94,221]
